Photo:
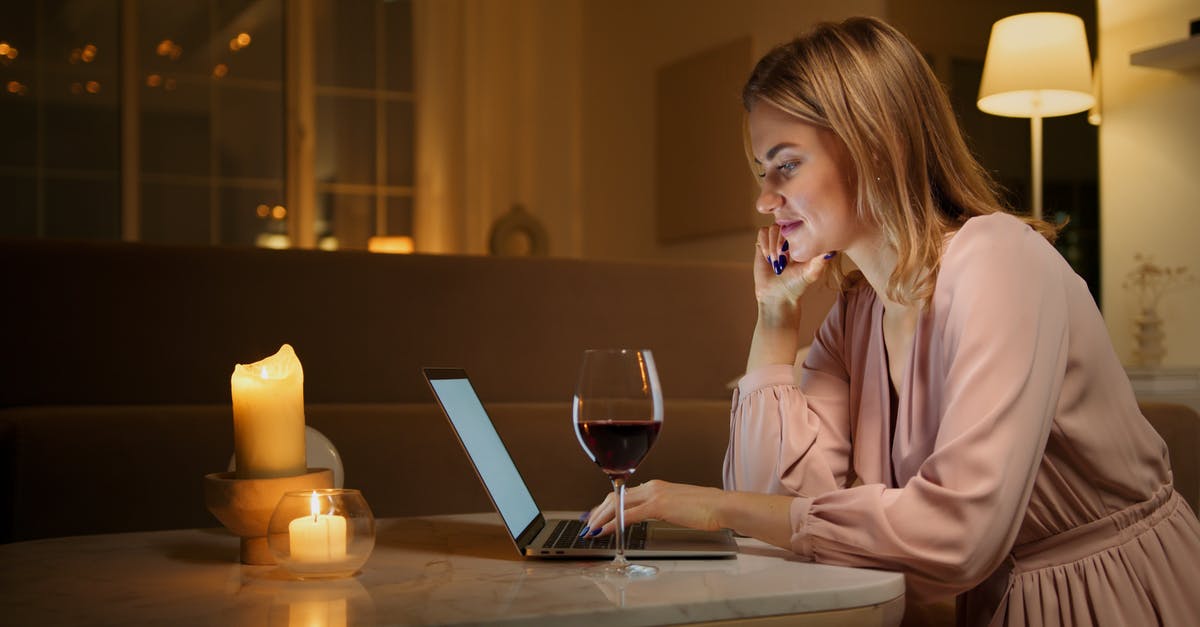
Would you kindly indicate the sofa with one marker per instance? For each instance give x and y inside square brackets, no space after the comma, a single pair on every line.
[115,394]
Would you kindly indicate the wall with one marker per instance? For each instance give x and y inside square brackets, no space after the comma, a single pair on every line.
[497,120]
[574,139]
[1149,165]
[550,103]
[625,42]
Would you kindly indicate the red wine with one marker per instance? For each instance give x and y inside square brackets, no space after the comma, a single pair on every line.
[618,446]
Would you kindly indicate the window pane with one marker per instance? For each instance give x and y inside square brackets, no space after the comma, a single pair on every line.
[18,206]
[243,223]
[82,136]
[344,35]
[249,39]
[399,215]
[79,84]
[173,38]
[345,140]
[18,107]
[18,133]
[175,214]
[175,127]
[399,51]
[83,209]
[399,143]
[351,217]
[249,129]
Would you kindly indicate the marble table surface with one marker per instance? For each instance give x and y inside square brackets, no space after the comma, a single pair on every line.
[459,569]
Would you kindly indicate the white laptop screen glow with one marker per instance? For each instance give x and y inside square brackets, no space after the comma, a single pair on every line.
[491,459]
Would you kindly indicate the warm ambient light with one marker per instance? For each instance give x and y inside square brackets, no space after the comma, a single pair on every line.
[168,48]
[317,537]
[241,41]
[401,244]
[1037,66]
[268,416]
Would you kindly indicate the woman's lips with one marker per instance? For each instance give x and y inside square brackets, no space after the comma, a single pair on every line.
[787,227]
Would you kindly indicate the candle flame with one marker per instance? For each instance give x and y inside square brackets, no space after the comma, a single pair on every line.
[314,506]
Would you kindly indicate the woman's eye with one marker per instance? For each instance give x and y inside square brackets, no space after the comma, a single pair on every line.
[787,167]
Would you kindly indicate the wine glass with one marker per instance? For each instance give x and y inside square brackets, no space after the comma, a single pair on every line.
[618,413]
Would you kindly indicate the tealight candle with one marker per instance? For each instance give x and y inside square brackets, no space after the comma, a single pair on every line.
[317,537]
[268,416]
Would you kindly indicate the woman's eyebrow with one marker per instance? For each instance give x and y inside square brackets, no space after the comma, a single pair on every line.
[776,148]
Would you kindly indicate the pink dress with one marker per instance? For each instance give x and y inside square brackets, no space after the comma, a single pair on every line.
[1020,473]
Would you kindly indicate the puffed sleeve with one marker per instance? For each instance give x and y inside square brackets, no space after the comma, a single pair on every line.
[1000,343]
[794,439]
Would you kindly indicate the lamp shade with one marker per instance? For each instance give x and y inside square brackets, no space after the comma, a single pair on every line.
[1037,65]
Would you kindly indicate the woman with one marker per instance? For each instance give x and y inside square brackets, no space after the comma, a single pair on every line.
[962,416]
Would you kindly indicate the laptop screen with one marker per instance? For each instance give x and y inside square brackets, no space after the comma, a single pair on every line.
[487,452]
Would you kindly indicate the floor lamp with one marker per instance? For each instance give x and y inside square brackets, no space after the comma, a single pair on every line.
[1037,66]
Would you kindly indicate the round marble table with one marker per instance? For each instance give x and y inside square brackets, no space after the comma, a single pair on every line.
[445,570]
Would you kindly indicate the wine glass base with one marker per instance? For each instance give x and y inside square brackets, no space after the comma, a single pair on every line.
[622,571]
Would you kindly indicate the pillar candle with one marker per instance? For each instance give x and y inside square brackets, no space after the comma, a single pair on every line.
[268,416]
[317,537]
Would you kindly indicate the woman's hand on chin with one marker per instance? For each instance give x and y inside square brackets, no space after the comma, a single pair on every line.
[780,280]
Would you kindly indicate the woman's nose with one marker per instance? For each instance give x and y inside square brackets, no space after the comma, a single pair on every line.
[768,200]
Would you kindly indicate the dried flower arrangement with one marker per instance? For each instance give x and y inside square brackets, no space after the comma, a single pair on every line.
[1151,281]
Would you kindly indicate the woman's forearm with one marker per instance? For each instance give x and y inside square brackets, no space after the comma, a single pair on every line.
[776,336]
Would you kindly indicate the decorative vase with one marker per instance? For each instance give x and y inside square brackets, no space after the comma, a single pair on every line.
[1148,336]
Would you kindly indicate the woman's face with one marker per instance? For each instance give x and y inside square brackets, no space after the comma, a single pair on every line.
[806,183]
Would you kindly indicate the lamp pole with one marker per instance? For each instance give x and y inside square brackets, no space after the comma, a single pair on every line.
[1035,136]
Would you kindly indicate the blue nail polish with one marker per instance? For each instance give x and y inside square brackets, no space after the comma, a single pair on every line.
[830,255]
[778,268]
[596,531]
[785,246]
[585,531]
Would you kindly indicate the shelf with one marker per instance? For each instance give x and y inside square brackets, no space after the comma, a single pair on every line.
[1178,55]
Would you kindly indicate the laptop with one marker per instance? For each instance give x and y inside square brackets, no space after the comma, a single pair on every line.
[532,533]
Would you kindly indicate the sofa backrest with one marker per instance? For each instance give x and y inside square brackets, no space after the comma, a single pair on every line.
[83,470]
[115,323]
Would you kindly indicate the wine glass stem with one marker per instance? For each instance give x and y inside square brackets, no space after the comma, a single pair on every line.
[619,488]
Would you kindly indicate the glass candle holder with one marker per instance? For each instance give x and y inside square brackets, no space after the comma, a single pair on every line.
[324,533]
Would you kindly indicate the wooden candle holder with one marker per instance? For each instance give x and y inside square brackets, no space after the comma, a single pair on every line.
[245,506]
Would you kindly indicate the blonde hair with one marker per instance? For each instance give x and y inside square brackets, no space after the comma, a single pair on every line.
[914,175]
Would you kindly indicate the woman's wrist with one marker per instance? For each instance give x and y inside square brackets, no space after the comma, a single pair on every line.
[762,516]
[781,315]
[776,337]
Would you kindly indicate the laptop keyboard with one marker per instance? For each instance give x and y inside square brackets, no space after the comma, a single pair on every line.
[566,536]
